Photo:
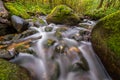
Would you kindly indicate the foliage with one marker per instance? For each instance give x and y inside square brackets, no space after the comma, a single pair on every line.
[27,10]
[17,9]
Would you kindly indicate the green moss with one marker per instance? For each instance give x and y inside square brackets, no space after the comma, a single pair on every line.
[112,27]
[63,14]
[106,43]
[61,9]
[26,10]
[17,9]
[9,71]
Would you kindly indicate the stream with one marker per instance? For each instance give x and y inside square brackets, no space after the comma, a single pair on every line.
[62,53]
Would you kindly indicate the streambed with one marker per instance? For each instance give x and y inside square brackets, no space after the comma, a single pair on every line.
[62,53]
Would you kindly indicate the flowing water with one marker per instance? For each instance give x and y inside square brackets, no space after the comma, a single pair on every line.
[63,53]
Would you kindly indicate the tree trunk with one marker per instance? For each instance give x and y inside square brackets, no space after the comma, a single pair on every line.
[51,3]
[100,5]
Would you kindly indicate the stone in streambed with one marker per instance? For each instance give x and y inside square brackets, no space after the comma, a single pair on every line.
[63,15]
[48,29]
[106,43]
[19,24]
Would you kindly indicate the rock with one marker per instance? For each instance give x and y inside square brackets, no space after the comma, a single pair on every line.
[4,21]
[3,11]
[50,42]
[77,37]
[48,29]
[60,49]
[106,43]
[19,24]
[61,29]
[62,15]
[6,29]
[9,71]
[58,35]
[27,33]
[38,22]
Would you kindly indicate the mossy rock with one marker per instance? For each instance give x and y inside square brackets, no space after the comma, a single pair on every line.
[63,15]
[9,71]
[106,43]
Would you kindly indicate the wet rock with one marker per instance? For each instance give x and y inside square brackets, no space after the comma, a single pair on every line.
[50,42]
[106,43]
[38,22]
[79,67]
[62,15]
[6,29]
[81,32]
[77,37]
[84,25]
[4,21]
[19,24]
[58,35]
[60,48]
[3,11]
[62,29]
[48,29]
[27,33]
[25,48]
[8,37]
[8,54]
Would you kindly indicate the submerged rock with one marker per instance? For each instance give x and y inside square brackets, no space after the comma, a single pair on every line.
[48,29]
[19,24]
[63,15]
[106,43]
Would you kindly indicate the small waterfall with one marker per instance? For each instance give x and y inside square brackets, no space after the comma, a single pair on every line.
[63,55]
[96,68]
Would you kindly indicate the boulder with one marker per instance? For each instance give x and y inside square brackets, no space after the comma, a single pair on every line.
[106,43]
[19,24]
[9,71]
[63,15]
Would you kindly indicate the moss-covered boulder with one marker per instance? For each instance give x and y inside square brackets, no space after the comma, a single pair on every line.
[106,43]
[62,15]
[9,71]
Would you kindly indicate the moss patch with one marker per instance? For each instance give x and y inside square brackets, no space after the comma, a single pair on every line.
[9,71]
[106,43]
[63,15]
[17,9]
[112,27]
[25,10]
